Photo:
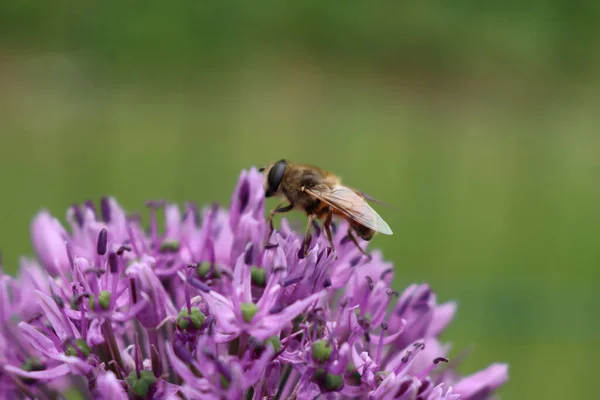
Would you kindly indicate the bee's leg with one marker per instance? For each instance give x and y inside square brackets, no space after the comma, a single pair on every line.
[305,243]
[355,241]
[277,210]
[327,226]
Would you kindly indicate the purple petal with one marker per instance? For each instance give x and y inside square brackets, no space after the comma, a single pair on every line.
[47,374]
[173,222]
[271,324]
[256,371]
[391,385]
[224,337]
[109,387]
[239,200]
[377,303]
[486,381]
[389,338]
[425,360]
[160,303]
[48,237]
[310,391]
[179,366]
[438,394]
[222,310]
[272,377]
[248,197]
[249,230]
[192,393]
[442,316]
[38,340]
[31,278]
[94,333]
[5,302]
[241,282]
[166,390]
[344,354]
[64,328]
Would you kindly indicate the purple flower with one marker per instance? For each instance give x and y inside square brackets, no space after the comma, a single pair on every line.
[205,310]
[49,238]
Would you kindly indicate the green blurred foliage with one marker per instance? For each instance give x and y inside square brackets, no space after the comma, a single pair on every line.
[478,120]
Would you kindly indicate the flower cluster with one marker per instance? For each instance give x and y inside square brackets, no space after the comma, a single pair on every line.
[204,309]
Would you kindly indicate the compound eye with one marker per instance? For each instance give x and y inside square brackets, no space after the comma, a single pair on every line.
[275,176]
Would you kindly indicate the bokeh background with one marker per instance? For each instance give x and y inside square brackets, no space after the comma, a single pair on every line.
[477,120]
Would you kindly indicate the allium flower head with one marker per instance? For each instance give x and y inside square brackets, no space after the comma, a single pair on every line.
[205,310]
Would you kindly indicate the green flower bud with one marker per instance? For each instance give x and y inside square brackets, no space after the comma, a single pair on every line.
[354,378]
[202,270]
[141,386]
[258,276]
[32,364]
[169,246]
[321,351]
[333,383]
[92,302]
[249,310]
[77,347]
[274,342]
[196,318]
[183,323]
[104,299]
[328,381]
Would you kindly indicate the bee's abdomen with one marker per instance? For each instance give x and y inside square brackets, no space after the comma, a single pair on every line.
[362,231]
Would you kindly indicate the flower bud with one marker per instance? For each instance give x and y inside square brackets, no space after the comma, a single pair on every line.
[141,386]
[329,382]
[321,351]
[249,310]
[77,348]
[196,318]
[258,276]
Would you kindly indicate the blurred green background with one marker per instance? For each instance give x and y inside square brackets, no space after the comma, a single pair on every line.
[478,120]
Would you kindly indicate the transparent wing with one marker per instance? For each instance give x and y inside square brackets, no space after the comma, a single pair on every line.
[372,199]
[349,203]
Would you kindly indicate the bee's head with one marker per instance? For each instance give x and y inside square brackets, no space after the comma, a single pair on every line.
[273,177]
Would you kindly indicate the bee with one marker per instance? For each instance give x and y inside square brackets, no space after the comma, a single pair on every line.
[321,195]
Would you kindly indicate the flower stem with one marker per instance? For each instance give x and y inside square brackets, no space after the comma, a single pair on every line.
[154,352]
[234,346]
[283,383]
[22,388]
[42,393]
[109,335]
[243,344]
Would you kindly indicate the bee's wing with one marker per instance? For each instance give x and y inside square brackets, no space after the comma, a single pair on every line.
[372,199]
[346,201]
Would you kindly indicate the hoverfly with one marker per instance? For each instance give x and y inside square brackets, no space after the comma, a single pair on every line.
[321,195]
